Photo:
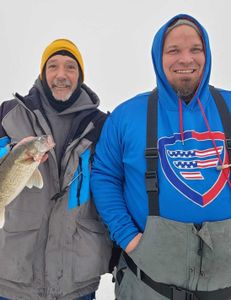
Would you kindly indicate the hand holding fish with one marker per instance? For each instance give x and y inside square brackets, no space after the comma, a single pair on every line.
[41,159]
[19,169]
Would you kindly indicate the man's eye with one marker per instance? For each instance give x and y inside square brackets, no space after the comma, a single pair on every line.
[52,66]
[172,51]
[71,67]
[197,50]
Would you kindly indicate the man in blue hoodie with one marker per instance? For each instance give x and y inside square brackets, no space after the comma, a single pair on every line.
[172,220]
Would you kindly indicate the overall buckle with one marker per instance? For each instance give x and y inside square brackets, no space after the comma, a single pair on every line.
[151,153]
[151,181]
[182,294]
[228,143]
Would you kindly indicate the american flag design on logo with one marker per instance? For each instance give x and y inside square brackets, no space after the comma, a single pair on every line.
[191,166]
[193,160]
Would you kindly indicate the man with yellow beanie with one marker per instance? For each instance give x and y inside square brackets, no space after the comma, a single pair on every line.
[53,244]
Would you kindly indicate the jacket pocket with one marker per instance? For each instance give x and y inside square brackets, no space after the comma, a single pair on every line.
[92,250]
[17,244]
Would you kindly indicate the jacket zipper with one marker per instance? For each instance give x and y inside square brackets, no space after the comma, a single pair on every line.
[80,180]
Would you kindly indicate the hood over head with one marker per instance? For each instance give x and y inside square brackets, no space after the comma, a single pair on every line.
[165,90]
[179,22]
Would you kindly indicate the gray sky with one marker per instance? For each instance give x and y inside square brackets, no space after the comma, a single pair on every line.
[115,40]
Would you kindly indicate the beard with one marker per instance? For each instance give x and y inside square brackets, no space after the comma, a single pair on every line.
[61,97]
[64,95]
[186,88]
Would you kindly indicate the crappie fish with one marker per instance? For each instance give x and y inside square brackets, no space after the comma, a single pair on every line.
[19,168]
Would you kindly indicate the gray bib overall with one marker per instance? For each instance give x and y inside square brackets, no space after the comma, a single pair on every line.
[178,254]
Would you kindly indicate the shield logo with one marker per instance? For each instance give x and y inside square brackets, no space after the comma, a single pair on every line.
[184,164]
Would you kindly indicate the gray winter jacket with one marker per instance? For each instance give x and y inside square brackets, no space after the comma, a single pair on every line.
[53,244]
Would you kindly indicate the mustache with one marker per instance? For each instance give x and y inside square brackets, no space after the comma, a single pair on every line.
[61,83]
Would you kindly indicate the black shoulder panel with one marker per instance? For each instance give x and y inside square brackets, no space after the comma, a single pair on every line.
[98,121]
[4,109]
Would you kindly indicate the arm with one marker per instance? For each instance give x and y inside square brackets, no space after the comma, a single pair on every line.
[107,184]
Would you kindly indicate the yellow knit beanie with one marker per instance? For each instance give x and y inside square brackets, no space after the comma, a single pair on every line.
[58,45]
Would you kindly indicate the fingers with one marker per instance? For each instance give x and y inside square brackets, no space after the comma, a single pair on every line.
[25,140]
[44,158]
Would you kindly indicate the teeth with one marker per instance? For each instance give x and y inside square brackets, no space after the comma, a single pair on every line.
[184,71]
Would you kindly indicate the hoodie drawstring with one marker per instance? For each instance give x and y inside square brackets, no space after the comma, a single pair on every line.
[225,171]
[181,120]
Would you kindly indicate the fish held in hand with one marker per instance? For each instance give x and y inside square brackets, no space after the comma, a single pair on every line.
[19,169]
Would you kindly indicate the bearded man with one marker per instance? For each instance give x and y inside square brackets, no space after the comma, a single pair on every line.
[53,244]
[161,178]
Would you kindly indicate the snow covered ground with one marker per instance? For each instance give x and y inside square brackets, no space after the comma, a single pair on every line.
[106,288]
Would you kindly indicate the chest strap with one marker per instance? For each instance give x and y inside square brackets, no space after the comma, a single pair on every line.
[225,116]
[151,155]
[173,292]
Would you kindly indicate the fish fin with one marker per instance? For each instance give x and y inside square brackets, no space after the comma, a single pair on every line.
[35,180]
[2,217]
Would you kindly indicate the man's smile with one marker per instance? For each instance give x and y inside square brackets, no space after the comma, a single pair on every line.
[185,71]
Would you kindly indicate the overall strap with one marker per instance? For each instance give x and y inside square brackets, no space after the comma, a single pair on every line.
[151,155]
[224,115]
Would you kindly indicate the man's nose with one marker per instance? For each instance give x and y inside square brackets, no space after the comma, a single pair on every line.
[61,73]
[186,57]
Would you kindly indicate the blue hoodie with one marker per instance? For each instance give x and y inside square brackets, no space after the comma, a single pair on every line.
[191,189]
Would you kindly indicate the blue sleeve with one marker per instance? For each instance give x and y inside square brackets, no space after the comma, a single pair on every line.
[4,146]
[107,182]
